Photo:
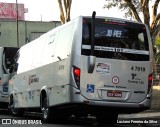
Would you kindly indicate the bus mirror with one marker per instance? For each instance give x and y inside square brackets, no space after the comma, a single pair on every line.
[91,63]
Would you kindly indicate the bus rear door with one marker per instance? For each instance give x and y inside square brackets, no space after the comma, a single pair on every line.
[122,66]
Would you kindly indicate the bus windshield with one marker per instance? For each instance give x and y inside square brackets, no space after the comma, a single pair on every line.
[116,39]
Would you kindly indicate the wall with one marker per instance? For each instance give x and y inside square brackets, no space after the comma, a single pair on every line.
[8,31]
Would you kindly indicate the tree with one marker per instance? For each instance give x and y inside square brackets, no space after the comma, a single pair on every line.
[157,43]
[65,5]
[133,8]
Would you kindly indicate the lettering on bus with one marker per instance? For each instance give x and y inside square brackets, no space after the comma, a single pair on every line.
[135,80]
[115,20]
[139,92]
[114,33]
[33,78]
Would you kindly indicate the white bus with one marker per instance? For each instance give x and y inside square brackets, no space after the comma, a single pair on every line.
[6,61]
[89,66]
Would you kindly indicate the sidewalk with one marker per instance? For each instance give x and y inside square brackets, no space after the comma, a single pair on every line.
[145,114]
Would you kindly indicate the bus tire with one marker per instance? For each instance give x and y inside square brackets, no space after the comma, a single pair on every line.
[107,118]
[52,114]
[14,111]
[46,111]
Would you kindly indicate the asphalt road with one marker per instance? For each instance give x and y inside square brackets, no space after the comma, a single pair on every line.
[28,119]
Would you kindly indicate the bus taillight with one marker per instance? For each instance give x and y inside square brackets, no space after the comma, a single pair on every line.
[150,78]
[77,72]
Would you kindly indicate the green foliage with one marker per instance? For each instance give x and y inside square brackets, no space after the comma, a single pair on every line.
[157,42]
[123,6]
[157,56]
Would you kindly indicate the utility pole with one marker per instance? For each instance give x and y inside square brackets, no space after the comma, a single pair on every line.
[17,24]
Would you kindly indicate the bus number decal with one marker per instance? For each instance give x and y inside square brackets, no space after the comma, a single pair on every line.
[136,68]
[118,50]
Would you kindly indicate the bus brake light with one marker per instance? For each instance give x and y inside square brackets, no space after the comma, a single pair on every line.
[77,73]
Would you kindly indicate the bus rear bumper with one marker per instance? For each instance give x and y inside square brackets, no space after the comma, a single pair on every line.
[123,107]
[4,98]
[98,107]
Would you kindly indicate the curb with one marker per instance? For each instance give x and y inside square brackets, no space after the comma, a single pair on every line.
[146,114]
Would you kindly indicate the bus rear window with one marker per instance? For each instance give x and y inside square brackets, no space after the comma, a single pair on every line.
[116,39]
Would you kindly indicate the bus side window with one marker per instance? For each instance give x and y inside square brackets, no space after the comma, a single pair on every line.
[14,66]
[49,47]
[63,43]
[37,56]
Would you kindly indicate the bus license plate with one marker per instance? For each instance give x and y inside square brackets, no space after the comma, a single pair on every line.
[114,94]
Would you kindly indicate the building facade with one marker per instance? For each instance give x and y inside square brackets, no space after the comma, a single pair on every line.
[27,31]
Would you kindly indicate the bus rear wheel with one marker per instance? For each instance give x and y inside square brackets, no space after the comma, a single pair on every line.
[52,114]
[46,110]
[14,111]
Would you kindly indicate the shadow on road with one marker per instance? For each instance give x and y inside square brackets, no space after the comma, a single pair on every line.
[81,122]
[4,112]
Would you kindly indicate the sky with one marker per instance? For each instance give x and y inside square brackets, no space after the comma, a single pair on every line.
[48,10]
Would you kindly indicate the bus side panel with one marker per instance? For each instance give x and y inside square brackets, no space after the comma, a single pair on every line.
[19,89]
[58,92]
[53,74]
[62,66]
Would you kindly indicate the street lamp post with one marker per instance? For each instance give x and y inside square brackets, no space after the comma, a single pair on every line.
[17,24]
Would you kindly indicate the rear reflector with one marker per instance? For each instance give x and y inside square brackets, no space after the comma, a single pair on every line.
[150,78]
